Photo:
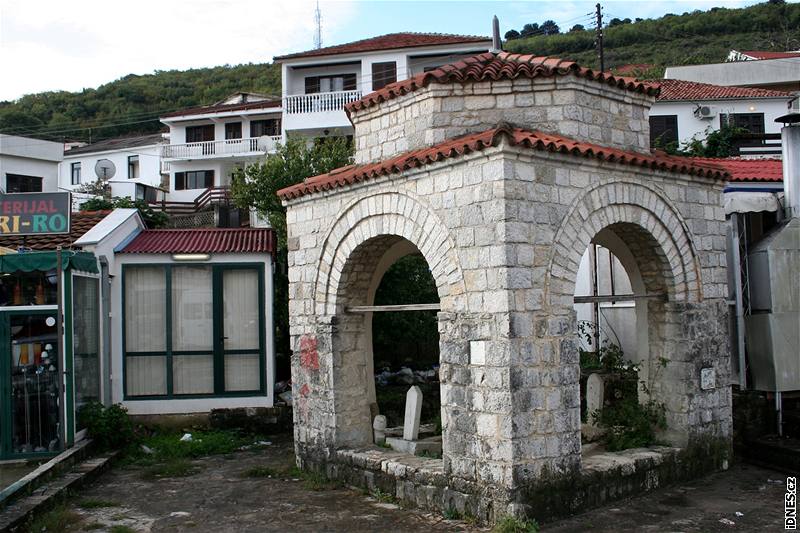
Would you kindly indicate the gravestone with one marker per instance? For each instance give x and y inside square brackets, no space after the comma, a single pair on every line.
[594,396]
[413,413]
[379,429]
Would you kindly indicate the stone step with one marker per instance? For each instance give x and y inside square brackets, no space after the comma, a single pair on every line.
[47,494]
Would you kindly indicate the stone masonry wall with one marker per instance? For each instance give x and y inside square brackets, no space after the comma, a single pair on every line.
[574,107]
[503,231]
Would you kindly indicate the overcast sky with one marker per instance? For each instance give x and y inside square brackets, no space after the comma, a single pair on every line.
[60,45]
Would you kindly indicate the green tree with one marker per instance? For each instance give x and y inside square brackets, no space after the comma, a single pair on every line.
[257,186]
[549,27]
[529,29]
[151,217]
[577,27]
[512,34]
[717,143]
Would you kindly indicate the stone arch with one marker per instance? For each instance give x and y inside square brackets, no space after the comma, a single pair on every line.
[653,243]
[643,217]
[387,214]
[367,238]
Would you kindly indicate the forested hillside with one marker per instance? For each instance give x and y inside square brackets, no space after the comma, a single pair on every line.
[132,104]
[690,38]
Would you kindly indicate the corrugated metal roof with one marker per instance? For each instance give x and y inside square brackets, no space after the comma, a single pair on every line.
[202,241]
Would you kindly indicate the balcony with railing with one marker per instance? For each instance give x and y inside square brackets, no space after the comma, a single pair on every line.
[317,110]
[251,146]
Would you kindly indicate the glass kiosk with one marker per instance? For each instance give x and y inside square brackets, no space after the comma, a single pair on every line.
[46,372]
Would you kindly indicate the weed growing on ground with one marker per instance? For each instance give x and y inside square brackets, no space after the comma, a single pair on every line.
[172,467]
[60,518]
[509,524]
[121,529]
[92,503]
[313,480]
[383,497]
[260,471]
[451,514]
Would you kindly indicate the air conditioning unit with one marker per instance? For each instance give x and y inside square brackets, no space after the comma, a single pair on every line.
[705,111]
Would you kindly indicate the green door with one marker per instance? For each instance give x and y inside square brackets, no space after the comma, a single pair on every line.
[29,394]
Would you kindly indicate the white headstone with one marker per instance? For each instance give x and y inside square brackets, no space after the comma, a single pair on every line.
[413,413]
[379,429]
[594,396]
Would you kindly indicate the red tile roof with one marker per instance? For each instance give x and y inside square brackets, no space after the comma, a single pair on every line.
[747,169]
[80,224]
[770,55]
[672,90]
[221,108]
[390,41]
[498,66]
[202,241]
[478,141]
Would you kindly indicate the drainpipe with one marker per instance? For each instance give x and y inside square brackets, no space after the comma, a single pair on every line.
[105,314]
[790,143]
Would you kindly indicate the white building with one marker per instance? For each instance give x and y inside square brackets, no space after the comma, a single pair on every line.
[687,109]
[29,165]
[132,166]
[769,70]
[317,84]
[208,142]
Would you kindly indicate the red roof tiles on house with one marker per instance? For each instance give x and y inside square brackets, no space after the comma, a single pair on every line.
[80,223]
[672,90]
[202,241]
[492,66]
[203,110]
[747,169]
[390,41]
[479,141]
[770,55]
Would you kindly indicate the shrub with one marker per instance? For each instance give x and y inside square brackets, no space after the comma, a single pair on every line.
[109,427]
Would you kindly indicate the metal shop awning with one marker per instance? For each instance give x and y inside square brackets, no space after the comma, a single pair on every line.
[46,261]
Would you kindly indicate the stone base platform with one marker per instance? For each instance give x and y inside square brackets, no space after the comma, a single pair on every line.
[429,446]
[604,477]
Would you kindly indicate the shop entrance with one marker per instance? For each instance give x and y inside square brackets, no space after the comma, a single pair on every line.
[30,394]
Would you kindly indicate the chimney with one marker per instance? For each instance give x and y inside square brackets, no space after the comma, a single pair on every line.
[790,145]
[497,44]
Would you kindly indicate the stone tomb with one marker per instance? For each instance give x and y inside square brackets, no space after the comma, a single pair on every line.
[500,170]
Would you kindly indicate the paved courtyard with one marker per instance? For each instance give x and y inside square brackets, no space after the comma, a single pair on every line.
[234,493]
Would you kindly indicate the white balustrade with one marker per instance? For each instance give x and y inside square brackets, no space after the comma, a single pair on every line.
[318,102]
[227,147]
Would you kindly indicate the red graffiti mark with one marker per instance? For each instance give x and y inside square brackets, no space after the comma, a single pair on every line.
[309,357]
[305,389]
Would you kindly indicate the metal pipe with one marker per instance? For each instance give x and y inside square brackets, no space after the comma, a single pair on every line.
[105,313]
[737,290]
[790,141]
[62,397]
[779,409]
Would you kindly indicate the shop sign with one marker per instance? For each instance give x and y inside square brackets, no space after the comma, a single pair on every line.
[35,213]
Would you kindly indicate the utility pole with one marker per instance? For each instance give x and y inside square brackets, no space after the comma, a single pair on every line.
[599,38]
[318,30]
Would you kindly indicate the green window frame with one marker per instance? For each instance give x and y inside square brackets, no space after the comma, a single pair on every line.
[218,350]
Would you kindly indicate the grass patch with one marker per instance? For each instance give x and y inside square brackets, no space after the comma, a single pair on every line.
[168,446]
[92,503]
[60,518]
[121,529]
[313,480]
[170,468]
[260,471]
[383,497]
[451,514]
[509,524]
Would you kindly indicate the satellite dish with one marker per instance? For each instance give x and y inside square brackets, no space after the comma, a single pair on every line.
[105,169]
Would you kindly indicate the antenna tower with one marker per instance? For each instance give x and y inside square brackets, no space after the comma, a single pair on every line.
[318,30]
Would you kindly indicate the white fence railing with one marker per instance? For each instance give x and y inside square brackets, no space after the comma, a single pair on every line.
[207,149]
[318,102]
